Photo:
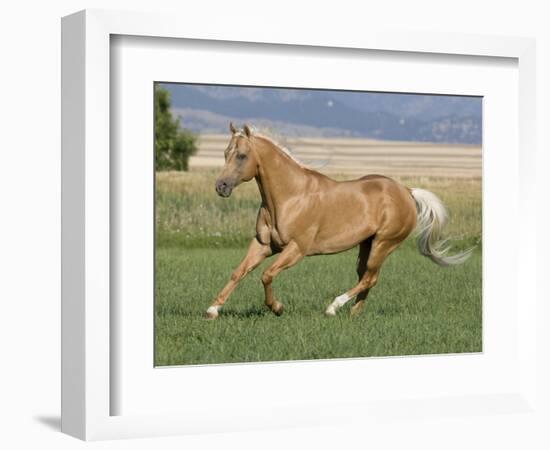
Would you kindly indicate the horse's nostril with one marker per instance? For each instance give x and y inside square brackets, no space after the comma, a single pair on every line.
[222,187]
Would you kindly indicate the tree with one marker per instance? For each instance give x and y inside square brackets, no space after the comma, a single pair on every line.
[173,144]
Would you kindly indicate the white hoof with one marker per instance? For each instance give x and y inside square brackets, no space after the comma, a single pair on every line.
[336,304]
[212,312]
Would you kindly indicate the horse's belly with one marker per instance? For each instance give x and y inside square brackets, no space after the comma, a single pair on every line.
[342,232]
[340,240]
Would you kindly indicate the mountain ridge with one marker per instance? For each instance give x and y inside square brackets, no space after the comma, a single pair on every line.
[409,117]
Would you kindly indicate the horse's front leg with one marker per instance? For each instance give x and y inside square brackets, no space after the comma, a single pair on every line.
[288,257]
[257,252]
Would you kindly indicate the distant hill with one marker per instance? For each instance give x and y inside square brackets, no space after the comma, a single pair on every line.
[408,117]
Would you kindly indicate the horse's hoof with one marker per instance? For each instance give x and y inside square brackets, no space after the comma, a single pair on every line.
[211,313]
[330,311]
[277,308]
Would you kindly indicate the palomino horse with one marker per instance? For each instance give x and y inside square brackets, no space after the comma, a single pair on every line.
[305,213]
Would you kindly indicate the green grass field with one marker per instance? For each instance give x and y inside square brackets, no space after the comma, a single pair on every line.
[416,308]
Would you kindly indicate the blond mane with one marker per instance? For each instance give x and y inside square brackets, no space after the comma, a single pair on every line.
[275,144]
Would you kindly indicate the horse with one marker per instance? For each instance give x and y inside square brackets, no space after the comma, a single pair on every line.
[306,213]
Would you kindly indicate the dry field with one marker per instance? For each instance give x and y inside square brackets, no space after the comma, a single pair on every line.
[363,156]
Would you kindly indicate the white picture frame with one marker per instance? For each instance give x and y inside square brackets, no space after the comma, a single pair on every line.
[87,386]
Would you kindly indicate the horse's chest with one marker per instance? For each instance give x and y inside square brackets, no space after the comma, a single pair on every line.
[267,231]
[276,238]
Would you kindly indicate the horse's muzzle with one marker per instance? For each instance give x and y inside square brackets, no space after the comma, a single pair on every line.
[224,188]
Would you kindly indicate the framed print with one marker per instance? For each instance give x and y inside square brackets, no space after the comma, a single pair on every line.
[152,250]
[332,139]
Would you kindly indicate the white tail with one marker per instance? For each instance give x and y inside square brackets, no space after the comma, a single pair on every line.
[431,217]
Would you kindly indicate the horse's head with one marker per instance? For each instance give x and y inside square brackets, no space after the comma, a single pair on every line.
[240,161]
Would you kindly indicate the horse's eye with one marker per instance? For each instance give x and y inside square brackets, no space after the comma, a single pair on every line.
[241,156]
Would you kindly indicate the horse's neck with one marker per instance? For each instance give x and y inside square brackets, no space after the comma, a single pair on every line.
[280,177]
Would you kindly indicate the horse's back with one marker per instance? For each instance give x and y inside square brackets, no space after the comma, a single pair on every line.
[374,176]
[378,184]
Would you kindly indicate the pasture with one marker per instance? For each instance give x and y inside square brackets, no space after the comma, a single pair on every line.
[416,308]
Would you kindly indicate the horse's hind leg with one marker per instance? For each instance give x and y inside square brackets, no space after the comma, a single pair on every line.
[381,248]
[362,258]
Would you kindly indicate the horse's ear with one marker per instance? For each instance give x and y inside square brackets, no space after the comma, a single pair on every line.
[232,128]
[247,130]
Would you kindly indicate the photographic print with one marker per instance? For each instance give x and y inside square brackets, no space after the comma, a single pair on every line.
[301,224]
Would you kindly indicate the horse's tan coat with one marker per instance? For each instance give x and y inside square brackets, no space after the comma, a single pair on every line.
[304,213]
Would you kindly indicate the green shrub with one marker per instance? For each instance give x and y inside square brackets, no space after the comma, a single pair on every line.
[173,145]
